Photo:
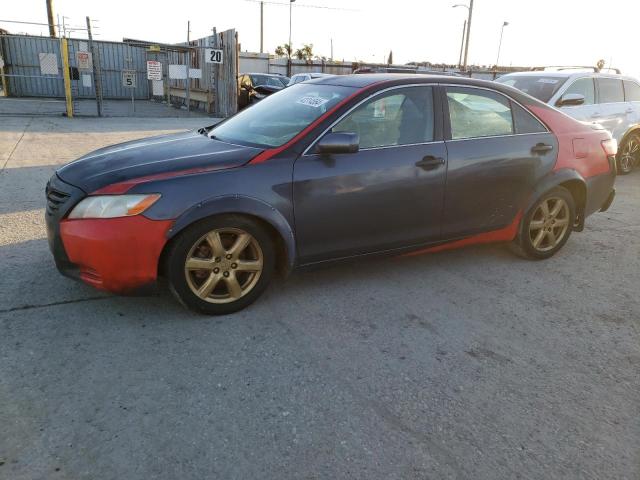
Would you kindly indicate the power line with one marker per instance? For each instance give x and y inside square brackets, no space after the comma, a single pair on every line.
[322,7]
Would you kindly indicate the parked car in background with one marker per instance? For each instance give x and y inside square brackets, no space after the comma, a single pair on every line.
[302,77]
[329,169]
[253,87]
[612,100]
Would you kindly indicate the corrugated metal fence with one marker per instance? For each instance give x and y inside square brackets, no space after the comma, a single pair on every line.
[23,68]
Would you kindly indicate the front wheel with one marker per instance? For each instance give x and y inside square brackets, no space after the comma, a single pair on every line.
[546,227]
[220,265]
[629,154]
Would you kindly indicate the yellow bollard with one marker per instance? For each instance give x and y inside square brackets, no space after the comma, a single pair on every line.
[64,48]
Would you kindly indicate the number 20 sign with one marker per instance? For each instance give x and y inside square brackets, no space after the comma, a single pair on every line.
[211,55]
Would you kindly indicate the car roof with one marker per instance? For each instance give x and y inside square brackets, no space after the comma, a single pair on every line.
[567,74]
[362,80]
[265,74]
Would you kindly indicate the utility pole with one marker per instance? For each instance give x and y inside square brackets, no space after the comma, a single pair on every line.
[290,46]
[261,27]
[52,26]
[464,31]
[466,46]
[95,62]
[188,65]
[332,49]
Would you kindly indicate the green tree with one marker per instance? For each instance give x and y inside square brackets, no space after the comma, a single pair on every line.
[284,50]
[305,53]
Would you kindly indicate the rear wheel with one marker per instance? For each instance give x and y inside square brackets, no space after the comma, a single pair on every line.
[220,265]
[546,227]
[629,154]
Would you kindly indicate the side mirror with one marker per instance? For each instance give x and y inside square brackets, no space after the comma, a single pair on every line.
[571,99]
[339,142]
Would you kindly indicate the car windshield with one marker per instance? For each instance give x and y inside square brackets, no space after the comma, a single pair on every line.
[542,87]
[280,117]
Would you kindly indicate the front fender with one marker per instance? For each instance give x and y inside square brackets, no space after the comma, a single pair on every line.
[239,204]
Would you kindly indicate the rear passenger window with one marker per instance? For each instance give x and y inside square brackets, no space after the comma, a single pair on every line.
[631,91]
[524,121]
[478,113]
[584,87]
[610,90]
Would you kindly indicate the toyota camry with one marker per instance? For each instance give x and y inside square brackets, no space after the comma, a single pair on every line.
[335,168]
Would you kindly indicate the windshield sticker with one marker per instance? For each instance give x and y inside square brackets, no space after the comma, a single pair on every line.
[547,80]
[312,101]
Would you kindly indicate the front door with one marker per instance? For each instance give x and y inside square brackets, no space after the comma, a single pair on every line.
[388,194]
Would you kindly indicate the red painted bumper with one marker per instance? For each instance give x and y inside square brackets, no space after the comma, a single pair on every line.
[119,255]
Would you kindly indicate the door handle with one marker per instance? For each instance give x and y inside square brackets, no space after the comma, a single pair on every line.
[430,162]
[541,148]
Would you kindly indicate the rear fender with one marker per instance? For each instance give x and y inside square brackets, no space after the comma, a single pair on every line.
[555,179]
[241,205]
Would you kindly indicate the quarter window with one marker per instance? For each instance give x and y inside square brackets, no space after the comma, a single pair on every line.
[610,90]
[478,113]
[524,121]
[631,91]
[399,117]
[584,87]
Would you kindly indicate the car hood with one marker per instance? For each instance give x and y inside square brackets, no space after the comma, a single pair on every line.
[164,154]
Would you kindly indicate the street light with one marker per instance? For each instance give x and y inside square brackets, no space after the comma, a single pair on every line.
[504,24]
[466,46]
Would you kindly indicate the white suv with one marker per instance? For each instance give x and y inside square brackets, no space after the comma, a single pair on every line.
[612,100]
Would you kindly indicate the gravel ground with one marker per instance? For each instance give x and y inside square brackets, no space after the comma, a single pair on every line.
[470,364]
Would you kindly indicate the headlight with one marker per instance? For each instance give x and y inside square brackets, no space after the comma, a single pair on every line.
[111,206]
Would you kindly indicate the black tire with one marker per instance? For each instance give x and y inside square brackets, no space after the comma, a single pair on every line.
[628,154]
[184,245]
[523,244]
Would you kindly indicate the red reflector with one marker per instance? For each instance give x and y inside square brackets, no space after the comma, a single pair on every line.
[610,147]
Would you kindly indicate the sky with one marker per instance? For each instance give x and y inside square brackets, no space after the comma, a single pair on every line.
[540,32]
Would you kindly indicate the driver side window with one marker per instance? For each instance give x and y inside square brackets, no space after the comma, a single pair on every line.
[398,117]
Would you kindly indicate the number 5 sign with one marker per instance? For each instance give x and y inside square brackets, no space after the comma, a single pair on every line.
[211,55]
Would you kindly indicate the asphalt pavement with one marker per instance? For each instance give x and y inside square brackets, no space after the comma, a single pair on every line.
[468,364]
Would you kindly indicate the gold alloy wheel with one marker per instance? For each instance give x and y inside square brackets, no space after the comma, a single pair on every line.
[629,155]
[549,224]
[223,265]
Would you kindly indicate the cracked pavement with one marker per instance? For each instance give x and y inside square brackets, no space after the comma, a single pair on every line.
[463,364]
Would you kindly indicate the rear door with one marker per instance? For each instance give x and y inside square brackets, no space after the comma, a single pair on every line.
[497,151]
[612,106]
[632,99]
[387,195]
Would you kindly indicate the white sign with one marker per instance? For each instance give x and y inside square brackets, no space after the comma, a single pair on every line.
[178,72]
[83,47]
[86,80]
[195,73]
[83,60]
[157,87]
[1,62]
[154,70]
[128,79]
[211,55]
[48,63]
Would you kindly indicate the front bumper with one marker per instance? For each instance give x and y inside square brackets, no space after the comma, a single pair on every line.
[119,255]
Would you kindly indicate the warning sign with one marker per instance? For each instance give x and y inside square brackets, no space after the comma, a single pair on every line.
[154,70]
[83,60]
